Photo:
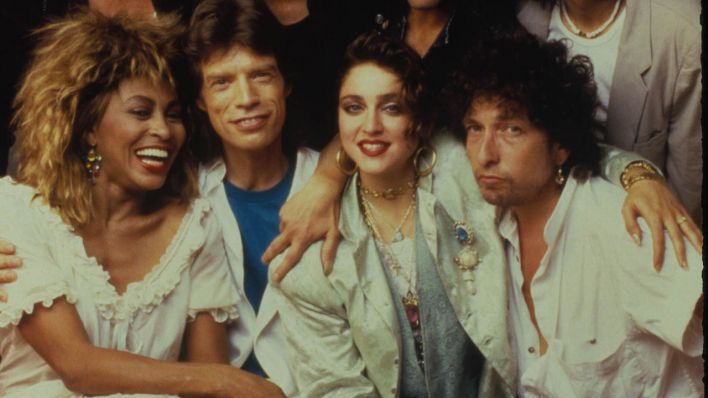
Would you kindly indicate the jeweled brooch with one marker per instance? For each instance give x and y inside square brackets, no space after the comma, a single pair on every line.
[467,258]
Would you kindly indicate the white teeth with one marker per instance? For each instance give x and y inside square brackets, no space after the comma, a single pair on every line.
[249,122]
[152,161]
[153,153]
[372,147]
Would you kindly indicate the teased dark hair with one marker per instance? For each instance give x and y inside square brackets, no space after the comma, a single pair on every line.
[217,26]
[558,93]
[397,57]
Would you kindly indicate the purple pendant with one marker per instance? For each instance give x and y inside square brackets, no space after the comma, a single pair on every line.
[410,305]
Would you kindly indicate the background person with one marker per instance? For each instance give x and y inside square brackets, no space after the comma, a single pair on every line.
[311,37]
[440,31]
[646,57]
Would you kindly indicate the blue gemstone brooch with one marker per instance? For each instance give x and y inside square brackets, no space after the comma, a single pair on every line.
[467,258]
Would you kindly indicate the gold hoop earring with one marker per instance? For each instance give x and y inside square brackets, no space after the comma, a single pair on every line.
[560,178]
[350,172]
[417,161]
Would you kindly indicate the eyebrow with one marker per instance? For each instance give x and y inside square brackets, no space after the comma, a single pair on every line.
[152,102]
[380,98]
[228,71]
[139,97]
[507,113]
[267,67]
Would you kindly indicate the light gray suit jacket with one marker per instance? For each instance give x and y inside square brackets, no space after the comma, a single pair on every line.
[343,330]
[655,100]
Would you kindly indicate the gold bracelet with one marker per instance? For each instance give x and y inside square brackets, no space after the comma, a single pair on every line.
[642,177]
[627,181]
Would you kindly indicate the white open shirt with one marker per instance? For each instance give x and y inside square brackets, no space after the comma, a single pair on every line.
[614,326]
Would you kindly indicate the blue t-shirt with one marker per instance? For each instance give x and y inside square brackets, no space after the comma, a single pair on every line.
[257,215]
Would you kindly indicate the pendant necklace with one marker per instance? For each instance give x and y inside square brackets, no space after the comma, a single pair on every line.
[407,290]
[403,280]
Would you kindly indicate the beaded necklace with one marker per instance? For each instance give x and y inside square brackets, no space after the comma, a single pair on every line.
[594,33]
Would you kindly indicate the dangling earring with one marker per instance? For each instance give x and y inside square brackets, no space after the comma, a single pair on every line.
[92,162]
[417,160]
[560,178]
[341,156]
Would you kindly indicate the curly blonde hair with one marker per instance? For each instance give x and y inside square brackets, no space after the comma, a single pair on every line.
[77,65]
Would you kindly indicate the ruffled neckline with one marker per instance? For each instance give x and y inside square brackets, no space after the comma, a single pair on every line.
[148,292]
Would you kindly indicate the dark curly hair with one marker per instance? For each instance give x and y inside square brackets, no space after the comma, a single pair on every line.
[559,94]
[395,56]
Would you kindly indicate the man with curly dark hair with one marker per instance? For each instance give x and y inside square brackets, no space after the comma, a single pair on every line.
[589,316]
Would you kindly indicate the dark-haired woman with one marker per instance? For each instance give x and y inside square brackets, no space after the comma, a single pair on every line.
[408,310]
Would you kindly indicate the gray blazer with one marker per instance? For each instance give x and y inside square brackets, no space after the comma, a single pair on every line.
[655,100]
[343,330]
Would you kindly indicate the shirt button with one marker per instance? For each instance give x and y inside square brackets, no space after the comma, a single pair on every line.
[593,341]
[395,361]
[393,390]
[532,350]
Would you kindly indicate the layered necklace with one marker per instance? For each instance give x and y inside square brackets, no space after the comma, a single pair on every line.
[589,35]
[399,258]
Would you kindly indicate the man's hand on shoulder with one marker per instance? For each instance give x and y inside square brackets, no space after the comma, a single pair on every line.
[310,215]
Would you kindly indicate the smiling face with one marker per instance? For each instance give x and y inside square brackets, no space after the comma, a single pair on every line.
[513,160]
[375,123]
[139,135]
[244,93]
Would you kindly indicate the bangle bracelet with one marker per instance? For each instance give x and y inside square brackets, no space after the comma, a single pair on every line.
[641,177]
[645,169]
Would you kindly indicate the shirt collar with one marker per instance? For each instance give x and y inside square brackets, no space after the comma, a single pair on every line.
[555,222]
[508,228]
[211,175]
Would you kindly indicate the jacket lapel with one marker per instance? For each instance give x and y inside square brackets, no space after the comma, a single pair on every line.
[629,92]
[483,314]
[369,269]
[211,179]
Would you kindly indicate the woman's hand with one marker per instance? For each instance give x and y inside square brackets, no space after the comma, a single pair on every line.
[310,215]
[237,383]
[8,260]
[652,200]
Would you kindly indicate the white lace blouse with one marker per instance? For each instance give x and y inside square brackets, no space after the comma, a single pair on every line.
[147,319]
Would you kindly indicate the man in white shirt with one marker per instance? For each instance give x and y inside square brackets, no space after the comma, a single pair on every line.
[249,165]
[589,315]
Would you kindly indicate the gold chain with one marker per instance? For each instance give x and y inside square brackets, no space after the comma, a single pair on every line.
[388,193]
